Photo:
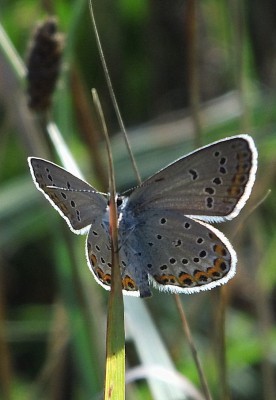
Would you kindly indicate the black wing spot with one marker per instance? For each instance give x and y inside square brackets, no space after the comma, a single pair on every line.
[246,167]
[210,202]
[193,173]
[217,181]
[78,215]
[188,281]
[202,254]
[209,190]
[223,266]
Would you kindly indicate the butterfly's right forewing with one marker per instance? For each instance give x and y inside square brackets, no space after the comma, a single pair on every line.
[76,201]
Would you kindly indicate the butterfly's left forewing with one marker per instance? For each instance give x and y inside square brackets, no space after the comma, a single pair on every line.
[211,183]
[76,201]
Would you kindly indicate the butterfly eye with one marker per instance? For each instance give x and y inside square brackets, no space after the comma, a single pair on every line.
[119,201]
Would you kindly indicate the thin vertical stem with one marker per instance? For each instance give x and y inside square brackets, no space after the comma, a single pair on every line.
[192,61]
[220,345]
[239,37]
[185,326]
[112,94]
[115,336]
[5,359]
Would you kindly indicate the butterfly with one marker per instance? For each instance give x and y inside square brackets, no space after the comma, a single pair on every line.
[165,238]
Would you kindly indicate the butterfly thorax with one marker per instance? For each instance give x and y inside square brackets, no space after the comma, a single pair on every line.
[126,221]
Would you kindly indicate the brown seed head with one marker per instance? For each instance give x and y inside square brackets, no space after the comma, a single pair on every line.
[43,64]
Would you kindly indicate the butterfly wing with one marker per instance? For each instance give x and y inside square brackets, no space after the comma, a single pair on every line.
[98,253]
[211,184]
[76,201]
[178,253]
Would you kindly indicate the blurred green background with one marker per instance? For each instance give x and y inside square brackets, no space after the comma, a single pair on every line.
[181,78]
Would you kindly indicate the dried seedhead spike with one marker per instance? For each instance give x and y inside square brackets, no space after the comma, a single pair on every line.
[43,64]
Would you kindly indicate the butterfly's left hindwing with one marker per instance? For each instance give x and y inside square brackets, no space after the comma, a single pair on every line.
[178,253]
[76,201]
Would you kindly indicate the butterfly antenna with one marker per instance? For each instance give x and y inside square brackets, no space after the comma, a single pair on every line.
[112,94]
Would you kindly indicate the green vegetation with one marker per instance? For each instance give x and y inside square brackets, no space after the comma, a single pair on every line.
[52,313]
